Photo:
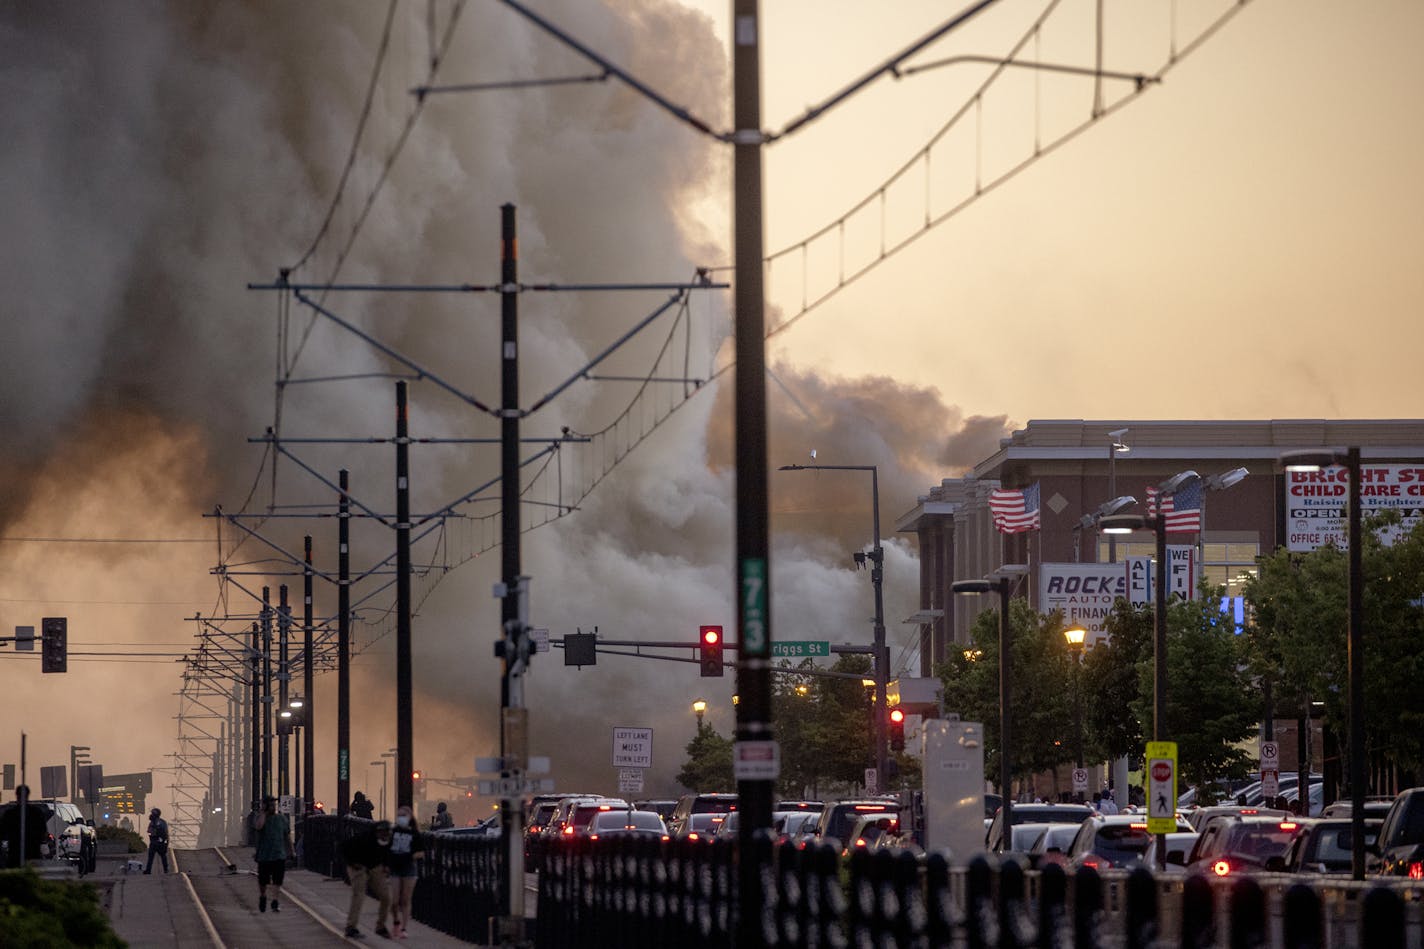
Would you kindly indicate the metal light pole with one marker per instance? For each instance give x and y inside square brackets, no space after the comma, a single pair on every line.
[1075,636]
[1001,582]
[877,578]
[1355,658]
[382,763]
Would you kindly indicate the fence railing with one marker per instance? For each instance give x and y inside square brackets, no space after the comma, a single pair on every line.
[458,888]
[632,893]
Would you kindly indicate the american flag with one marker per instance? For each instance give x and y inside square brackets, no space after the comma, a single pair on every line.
[1015,510]
[1182,510]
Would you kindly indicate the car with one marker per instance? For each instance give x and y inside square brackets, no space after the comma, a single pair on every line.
[68,836]
[804,806]
[611,824]
[689,804]
[1053,844]
[1179,846]
[1201,815]
[1025,836]
[1034,814]
[662,807]
[838,819]
[727,829]
[700,826]
[581,815]
[794,826]
[1375,808]
[489,827]
[1231,843]
[1113,841]
[866,832]
[1400,848]
[1324,846]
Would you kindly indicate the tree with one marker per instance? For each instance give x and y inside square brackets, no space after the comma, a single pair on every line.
[1111,676]
[708,767]
[1041,709]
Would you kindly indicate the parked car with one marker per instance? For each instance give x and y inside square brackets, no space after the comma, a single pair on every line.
[838,819]
[1231,844]
[1034,814]
[1113,841]
[1375,808]
[68,836]
[610,824]
[1400,848]
[1324,846]
[1053,844]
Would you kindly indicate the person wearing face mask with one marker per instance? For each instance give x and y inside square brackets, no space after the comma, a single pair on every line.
[403,862]
[366,855]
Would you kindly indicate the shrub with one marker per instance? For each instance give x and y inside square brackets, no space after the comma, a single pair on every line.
[38,913]
[135,842]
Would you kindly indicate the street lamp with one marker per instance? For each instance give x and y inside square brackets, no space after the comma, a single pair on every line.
[382,763]
[699,708]
[1001,582]
[1090,520]
[877,576]
[1116,446]
[394,756]
[1075,636]
[1354,654]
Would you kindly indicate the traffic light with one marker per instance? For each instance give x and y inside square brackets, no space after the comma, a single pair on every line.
[710,651]
[54,655]
[897,729]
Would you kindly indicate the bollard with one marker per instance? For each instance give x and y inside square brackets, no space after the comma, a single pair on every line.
[1052,914]
[940,920]
[1141,913]
[981,929]
[1012,928]
[1382,919]
[908,925]
[1198,913]
[1248,914]
[1087,903]
[1302,926]
[793,904]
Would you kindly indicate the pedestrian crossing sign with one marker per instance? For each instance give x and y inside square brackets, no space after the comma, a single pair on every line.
[1161,786]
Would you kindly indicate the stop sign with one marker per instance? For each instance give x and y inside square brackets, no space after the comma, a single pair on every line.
[1161,771]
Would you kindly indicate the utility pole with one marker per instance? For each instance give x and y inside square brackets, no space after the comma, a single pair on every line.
[405,723]
[255,729]
[308,693]
[753,569]
[513,645]
[343,650]
[284,675]
[266,692]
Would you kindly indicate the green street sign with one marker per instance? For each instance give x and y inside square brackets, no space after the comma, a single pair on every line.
[343,765]
[800,650]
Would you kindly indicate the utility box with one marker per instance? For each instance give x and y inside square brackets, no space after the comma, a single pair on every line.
[954,788]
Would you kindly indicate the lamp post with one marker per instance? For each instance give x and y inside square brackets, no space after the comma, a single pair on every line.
[877,576]
[1157,523]
[1000,582]
[382,763]
[1075,636]
[1116,446]
[699,708]
[1216,482]
[1355,660]
[1090,521]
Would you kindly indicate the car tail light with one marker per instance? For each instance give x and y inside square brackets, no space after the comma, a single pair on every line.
[1096,863]
[1138,826]
[694,836]
[592,836]
[870,807]
[569,830]
[605,807]
[1249,810]
[1416,871]
[860,841]
[1289,825]
[1221,868]
[534,828]
[666,837]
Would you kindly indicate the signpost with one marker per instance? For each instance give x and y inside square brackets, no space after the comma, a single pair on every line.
[1080,779]
[1161,787]
[1270,771]
[800,649]
[630,781]
[756,760]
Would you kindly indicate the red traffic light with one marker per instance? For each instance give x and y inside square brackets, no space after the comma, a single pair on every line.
[711,635]
[897,715]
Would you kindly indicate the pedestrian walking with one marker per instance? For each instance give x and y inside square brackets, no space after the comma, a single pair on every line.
[36,828]
[367,855]
[157,840]
[274,846]
[361,807]
[443,818]
[404,863]
[1107,805]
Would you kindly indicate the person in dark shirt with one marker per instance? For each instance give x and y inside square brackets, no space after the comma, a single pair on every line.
[157,840]
[274,847]
[366,856]
[36,827]
[361,807]
[406,851]
[443,819]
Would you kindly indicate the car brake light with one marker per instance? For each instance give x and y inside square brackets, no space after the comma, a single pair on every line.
[666,837]
[1416,871]
[1289,825]
[1249,810]
[604,807]
[860,841]
[592,836]
[569,830]
[1138,826]
[1221,868]
[718,820]
[1091,862]
[693,836]
[870,807]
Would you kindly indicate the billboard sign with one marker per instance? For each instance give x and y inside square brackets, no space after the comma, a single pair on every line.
[1315,502]
[1085,592]
[1181,575]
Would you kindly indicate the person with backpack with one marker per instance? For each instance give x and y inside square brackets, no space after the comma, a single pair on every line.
[157,840]
[366,855]
[362,807]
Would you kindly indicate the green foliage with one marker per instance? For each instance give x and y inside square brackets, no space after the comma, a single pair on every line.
[130,837]
[708,768]
[37,914]
[1299,639]
[1110,682]
[1041,704]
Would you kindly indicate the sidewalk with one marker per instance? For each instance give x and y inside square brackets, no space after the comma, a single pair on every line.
[156,910]
[330,899]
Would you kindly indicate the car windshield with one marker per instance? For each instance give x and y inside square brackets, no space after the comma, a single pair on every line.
[1122,843]
[1261,841]
[1057,837]
[627,820]
[1027,835]
[843,819]
[705,823]
[1332,845]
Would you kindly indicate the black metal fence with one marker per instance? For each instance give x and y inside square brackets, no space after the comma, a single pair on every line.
[633,893]
[458,888]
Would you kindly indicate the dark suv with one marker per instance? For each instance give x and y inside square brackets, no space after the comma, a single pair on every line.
[1400,848]
[1230,844]
[1034,814]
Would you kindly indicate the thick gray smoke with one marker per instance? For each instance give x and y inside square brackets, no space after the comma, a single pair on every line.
[161,155]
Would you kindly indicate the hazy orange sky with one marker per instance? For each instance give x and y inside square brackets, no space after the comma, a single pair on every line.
[1242,241]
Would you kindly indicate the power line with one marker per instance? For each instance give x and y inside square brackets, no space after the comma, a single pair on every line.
[106,540]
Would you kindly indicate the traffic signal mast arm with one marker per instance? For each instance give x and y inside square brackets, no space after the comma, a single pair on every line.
[603,644]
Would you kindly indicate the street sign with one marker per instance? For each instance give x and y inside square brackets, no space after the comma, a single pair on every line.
[632,747]
[756,761]
[630,781]
[1270,785]
[343,765]
[800,649]
[872,785]
[25,640]
[1161,787]
[1270,755]
[1080,779]
[513,787]
[54,781]
[541,639]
